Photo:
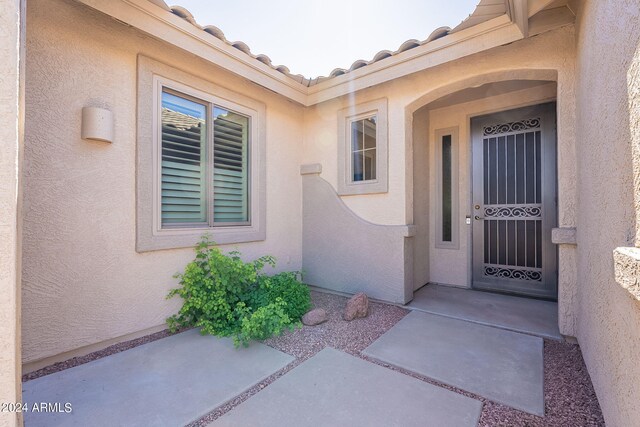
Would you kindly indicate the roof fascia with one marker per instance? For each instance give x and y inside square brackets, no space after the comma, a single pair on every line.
[487,35]
[174,30]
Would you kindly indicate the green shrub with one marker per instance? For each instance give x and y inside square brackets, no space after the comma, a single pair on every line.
[286,286]
[225,296]
[263,323]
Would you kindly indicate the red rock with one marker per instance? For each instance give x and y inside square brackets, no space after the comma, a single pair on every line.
[315,317]
[357,306]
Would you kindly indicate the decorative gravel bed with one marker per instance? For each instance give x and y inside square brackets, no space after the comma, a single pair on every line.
[569,396]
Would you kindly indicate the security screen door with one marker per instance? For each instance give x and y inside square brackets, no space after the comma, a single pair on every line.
[514,201]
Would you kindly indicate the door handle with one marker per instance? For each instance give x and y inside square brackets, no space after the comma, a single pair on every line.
[477,218]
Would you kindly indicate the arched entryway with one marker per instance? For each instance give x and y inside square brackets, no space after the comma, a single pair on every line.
[443,203]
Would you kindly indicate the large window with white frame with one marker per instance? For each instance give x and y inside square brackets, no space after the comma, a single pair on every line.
[204,163]
[362,152]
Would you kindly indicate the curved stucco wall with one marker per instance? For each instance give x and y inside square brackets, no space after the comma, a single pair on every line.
[344,253]
[608,105]
[83,280]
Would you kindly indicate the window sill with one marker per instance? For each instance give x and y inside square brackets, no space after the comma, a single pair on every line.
[362,187]
[187,238]
[627,269]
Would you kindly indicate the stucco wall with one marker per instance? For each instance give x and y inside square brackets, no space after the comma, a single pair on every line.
[421,196]
[11,80]
[607,128]
[370,258]
[548,56]
[83,280]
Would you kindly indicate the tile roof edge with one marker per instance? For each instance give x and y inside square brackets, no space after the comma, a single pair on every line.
[360,63]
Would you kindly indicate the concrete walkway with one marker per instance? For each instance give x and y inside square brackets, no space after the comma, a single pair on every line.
[169,382]
[526,315]
[503,366]
[333,388]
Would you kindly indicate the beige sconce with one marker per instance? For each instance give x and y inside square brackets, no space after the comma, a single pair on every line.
[97,124]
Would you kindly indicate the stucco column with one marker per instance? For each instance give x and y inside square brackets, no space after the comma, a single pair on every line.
[11,117]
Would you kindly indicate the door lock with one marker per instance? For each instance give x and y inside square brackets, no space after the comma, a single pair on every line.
[476,207]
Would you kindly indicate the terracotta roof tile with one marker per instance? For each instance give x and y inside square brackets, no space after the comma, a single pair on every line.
[486,9]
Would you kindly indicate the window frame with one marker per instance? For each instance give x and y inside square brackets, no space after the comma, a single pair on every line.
[209,167]
[362,118]
[153,77]
[455,196]
[347,116]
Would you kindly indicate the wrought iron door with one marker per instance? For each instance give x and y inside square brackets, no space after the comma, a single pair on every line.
[514,201]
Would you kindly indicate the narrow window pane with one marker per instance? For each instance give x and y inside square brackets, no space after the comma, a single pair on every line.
[357,142]
[230,167]
[370,132]
[358,166]
[183,160]
[370,164]
[446,189]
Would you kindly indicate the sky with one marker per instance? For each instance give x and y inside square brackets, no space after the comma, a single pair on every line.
[312,38]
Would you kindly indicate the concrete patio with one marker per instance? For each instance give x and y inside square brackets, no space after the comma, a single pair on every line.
[526,315]
[172,382]
[423,369]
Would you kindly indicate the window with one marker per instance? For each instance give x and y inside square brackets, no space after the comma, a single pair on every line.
[363,149]
[200,164]
[447,188]
[204,174]
[362,153]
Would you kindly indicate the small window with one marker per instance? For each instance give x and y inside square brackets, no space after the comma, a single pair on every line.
[363,146]
[447,188]
[362,152]
[204,174]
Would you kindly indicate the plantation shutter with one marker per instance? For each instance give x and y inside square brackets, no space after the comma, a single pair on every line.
[183,160]
[230,167]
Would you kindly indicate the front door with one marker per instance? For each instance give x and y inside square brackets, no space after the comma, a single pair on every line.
[514,201]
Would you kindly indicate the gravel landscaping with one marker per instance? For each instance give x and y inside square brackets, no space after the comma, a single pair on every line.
[569,396]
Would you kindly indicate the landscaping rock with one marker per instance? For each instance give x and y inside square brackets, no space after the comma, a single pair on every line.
[315,317]
[357,306]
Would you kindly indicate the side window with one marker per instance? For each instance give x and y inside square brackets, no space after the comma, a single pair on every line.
[446,159]
[362,149]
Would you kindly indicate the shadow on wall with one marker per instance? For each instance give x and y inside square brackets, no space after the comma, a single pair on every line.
[343,252]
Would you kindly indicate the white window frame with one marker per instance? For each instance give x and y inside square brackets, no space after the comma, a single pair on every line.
[455,220]
[346,116]
[153,76]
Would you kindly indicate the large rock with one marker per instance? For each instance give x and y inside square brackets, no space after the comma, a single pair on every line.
[357,306]
[314,317]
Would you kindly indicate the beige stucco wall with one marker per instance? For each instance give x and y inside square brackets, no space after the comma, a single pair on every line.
[83,280]
[608,60]
[11,115]
[548,56]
